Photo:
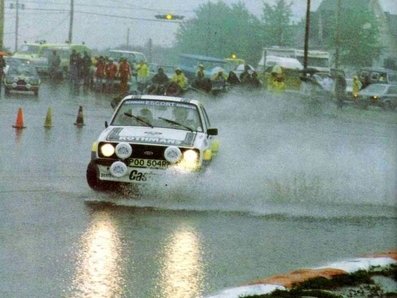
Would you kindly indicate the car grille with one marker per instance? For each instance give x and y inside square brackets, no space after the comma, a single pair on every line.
[21,82]
[148,152]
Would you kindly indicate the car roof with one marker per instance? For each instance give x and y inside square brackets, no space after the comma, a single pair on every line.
[124,52]
[377,69]
[163,98]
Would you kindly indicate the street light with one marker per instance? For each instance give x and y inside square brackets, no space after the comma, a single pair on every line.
[169,17]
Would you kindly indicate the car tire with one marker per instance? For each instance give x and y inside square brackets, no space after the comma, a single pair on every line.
[36,93]
[95,183]
[7,91]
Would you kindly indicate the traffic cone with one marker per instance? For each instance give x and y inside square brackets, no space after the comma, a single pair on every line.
[48,119]
[19,121]
[80,119]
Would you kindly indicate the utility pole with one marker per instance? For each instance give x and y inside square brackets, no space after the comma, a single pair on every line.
[16,24]
[71,21]
[307,30]
[337,41]
[1,23]
[128,38]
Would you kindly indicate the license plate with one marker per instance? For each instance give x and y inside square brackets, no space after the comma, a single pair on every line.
[148,163]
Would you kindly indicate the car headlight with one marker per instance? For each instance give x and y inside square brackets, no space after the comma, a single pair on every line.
[190,156]
[123,150]
[118,169]
[107,150]
[172,154]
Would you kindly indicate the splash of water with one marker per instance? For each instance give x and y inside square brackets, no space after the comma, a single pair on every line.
[286,153]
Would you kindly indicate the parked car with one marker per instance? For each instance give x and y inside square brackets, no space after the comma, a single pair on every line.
[38,53]
[151,137]
[382,95]
[374,75]
[22,77]
[132,57]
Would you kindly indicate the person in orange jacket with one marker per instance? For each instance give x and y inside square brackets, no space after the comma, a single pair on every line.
[110,74]
[124,74]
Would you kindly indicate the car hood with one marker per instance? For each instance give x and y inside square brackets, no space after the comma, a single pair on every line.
[371,94]
[154,136]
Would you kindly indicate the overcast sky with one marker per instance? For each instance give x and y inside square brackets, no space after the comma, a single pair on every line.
[105,23]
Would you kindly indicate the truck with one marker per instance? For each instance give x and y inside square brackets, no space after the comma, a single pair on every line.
[316,59]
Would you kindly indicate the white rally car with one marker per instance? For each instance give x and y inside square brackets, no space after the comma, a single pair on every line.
[151,135]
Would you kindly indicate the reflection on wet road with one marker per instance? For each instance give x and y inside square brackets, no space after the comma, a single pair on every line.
[182,274]
[98,271]
[293,186]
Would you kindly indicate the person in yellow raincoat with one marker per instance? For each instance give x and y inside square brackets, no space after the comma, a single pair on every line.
[180,79]
[142,73]
[356,87]
[276,78]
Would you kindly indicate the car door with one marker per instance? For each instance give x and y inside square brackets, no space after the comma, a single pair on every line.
[392,96]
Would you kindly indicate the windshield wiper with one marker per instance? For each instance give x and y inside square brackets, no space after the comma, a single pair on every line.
[139,119]
[176,123]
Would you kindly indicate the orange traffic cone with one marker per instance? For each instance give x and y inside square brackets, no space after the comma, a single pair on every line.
[19,122]
[80,119]
[48,119]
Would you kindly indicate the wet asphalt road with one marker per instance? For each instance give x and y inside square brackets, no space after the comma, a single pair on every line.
[295,185]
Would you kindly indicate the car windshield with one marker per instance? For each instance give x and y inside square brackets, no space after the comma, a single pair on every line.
[22,69]
[29,49]
[62,52]
[156,113]
[131,57]
[376,88]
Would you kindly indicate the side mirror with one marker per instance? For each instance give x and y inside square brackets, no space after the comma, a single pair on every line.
[212,131]
[106,124]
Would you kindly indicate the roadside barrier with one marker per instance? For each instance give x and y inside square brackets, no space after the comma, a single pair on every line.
[80,118]
[48,119]
[287,281]
[19,122]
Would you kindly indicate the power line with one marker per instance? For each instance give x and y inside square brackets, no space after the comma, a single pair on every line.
[101,14]
[126,17]
[131,7]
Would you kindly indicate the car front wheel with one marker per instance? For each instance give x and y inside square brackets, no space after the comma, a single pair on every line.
[94,182]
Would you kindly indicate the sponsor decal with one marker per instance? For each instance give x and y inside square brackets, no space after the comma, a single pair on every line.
[114,136]
[137,176]
[182,104]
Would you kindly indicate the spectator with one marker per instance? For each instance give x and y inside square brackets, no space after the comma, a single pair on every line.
[110,74]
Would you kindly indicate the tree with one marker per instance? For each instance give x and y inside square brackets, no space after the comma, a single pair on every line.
[219,30]
[277,26]
[358,37]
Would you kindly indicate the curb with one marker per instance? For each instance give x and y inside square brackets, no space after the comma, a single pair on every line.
[285,282]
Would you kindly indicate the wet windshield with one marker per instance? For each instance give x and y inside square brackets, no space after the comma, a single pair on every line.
[23,69]
[29,49]
[163,114]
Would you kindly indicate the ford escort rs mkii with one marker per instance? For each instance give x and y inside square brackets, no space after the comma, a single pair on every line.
[151,136]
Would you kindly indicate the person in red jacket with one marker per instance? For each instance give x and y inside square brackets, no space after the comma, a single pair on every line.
[99,74]
[110,74]
[124,74]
